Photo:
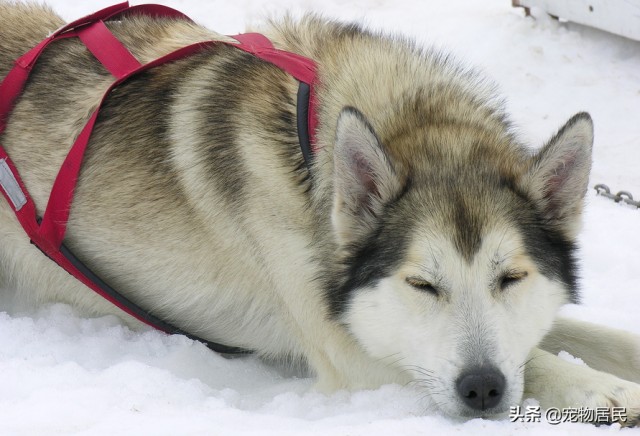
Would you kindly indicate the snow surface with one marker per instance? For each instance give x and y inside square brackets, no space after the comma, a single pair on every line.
[64,374]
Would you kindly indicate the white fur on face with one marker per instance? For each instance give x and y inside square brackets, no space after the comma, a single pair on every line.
[471,322]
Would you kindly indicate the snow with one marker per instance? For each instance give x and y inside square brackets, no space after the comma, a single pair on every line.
[64,374]
[569,358]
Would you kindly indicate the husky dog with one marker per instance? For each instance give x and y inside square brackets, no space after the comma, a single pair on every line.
[424,242]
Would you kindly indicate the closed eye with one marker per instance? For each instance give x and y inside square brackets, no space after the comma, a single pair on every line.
[511,278]
[422,285]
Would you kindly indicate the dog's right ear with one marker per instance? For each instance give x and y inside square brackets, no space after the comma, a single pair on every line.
[365,179]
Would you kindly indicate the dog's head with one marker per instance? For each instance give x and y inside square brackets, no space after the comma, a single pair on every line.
[458,250]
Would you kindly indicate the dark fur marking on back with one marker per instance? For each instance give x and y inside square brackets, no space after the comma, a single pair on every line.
[221,103]
[235,83]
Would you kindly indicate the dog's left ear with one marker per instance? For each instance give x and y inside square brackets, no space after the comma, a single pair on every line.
[559,174]
[365,179]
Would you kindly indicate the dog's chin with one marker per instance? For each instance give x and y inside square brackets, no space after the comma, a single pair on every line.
[459,412]
[463,413]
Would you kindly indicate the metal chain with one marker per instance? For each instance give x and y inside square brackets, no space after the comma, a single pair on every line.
[622,196]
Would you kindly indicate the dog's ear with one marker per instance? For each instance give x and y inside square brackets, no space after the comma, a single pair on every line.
[364,177]
[559,174]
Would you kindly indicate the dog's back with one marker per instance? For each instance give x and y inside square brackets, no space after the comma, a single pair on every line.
[165,177]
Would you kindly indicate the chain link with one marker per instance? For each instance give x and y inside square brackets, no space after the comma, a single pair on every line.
[621,196]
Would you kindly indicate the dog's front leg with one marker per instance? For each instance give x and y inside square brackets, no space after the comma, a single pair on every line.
[603,348]
[557,383]
[340,363]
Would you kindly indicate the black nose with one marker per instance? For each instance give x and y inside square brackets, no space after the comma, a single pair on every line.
[481,388]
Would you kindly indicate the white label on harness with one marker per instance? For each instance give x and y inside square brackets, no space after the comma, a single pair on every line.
[10,186]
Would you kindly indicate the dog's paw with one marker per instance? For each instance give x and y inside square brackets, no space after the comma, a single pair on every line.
[562,385]
[610,398]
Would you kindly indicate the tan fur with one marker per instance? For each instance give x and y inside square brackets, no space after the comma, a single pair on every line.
[201,210]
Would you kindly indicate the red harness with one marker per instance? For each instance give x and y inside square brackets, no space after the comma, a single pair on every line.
[48,234]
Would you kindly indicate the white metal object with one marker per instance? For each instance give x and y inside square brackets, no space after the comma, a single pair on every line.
[621,17]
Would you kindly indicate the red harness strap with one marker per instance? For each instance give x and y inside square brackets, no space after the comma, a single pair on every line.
[48,235]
